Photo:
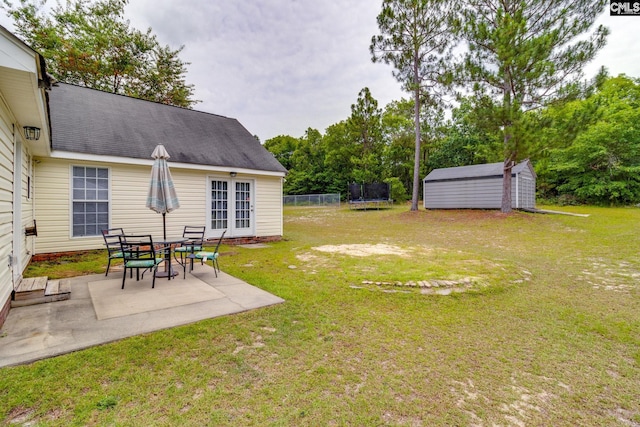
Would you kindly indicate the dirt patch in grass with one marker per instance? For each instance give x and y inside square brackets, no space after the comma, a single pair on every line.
[363,250]
[395,268]
[20,415]
[521,402]
[617,276]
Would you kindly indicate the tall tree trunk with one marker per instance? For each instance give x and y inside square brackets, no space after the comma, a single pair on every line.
[506,186]
[416,161]
[509,152]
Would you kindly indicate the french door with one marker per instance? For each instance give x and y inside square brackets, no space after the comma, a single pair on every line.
[231,204]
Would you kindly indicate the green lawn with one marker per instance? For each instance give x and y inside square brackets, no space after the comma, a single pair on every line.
[541,328]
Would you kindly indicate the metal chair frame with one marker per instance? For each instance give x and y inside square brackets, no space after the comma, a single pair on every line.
[194,243]
[204,255]
[139,252]
[112,242]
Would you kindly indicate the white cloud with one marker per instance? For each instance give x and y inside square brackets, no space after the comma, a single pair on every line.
[278,68]
[621,55]
[282,66]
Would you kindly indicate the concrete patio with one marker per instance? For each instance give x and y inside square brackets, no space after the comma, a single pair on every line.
[100,312]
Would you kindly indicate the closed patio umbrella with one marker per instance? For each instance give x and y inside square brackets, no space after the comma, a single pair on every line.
[162,197]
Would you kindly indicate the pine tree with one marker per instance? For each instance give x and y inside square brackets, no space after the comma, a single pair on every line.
[416,38]
[522,54]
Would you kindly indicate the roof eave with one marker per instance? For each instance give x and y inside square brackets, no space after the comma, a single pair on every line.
[72,156]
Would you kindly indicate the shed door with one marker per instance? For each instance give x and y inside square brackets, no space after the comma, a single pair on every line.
[527,193]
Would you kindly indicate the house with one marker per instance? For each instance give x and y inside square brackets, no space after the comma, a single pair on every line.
[23,105]
[479,187]
[98,172]
[89,169]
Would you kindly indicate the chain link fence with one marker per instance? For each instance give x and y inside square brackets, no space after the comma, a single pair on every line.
[312,200]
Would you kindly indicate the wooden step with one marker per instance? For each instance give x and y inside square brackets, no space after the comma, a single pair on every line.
[58,287]
[32,287]
[31,293]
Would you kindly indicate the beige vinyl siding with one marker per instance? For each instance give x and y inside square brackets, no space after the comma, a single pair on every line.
[6,203]
[51,190]
[269,206]
[128,194]
[129,187]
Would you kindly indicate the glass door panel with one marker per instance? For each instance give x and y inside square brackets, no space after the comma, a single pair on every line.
[219,205]
[243,207]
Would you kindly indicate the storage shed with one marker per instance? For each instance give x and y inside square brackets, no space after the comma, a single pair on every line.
[479,187]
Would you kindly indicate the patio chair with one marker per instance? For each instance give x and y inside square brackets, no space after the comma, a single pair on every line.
[112,242]
[139,252]
[213,256]
[194,243]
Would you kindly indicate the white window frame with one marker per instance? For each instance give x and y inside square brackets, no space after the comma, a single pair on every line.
[72,200]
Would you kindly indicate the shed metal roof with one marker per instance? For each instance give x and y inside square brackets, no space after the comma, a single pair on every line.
[486,170]
[90,121]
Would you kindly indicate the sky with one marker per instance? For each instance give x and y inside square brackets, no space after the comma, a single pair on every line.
[283,66]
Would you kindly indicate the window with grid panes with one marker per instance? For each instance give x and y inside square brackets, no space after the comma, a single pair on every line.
[90,199]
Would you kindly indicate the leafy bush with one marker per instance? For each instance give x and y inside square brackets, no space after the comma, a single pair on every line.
[601,165]
[398,192]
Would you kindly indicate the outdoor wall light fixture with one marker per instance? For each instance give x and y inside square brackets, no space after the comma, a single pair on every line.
[233,174]
[31,132]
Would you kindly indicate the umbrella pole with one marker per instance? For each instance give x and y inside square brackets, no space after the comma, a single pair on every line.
[164,226]
[167,272]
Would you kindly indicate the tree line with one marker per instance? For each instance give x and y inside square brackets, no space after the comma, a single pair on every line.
[516,77]
[510,63]
[91,44]
[585,150]
[515,57]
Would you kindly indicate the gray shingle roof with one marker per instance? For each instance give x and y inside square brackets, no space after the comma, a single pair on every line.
[474,171]
[90,121]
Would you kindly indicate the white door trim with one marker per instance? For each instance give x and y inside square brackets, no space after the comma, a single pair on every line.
[16,263]
[232,214]
[243,215]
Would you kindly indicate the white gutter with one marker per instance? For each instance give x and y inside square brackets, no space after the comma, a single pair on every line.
[69,155]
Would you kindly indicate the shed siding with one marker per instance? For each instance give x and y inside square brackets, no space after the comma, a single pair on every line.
[6,203]
[469,193]
[482,192]
[128,193]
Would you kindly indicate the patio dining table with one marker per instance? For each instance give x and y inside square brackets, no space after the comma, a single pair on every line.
[166,247]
